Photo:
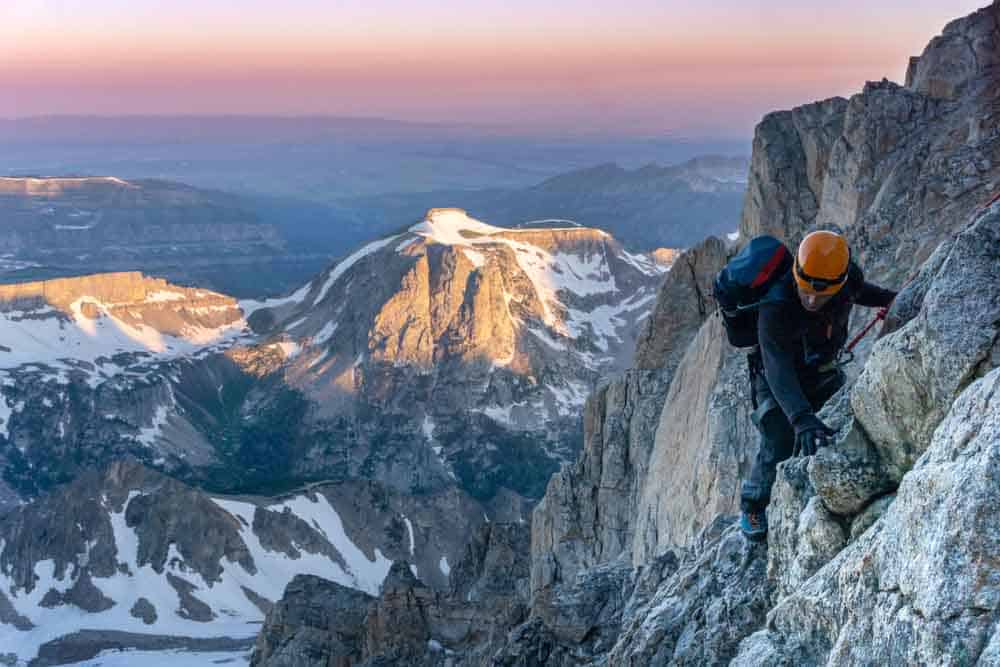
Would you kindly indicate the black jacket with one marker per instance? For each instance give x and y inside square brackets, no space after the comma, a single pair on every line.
[795,343]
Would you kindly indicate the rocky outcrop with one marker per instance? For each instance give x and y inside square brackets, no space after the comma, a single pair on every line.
[919,370]
[571,528]
[321,622]
[791,151]
[317,622]
[960,57]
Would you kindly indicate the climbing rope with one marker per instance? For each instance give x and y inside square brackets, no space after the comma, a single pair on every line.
[884,311]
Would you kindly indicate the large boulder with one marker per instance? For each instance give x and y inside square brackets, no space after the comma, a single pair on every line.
[915,373]
[921,586]
[317,622]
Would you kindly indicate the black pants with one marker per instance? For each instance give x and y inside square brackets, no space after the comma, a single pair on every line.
[777,437]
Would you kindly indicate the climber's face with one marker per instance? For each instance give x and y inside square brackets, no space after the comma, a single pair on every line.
[812,301]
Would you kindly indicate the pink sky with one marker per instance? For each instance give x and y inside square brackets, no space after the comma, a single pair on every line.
[635,68]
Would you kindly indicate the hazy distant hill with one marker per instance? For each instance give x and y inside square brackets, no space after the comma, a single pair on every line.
[321,159]
[644,208]
[54,227]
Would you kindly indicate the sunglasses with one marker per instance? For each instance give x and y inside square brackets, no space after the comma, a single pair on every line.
[818,285]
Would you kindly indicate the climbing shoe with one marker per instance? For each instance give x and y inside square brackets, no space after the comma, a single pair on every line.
[753,523]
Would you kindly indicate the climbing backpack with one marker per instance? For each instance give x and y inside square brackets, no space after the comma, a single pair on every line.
[744,282]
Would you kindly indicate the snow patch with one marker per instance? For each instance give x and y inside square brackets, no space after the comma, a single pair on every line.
[444,566]
[406,244]
[409,529]
[366,574]
[325,334]
[428,428]
[161,296]
[350,261]
[5,413]
[149,434]
[171,658]
[50,341]
[478,259]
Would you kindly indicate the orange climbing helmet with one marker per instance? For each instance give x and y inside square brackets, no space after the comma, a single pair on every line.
[821,263]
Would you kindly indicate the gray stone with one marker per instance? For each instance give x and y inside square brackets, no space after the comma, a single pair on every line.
[701,611]
[802,534]
[916,372]
[920,586]
[191,607]
[145,610]
[846,477]
[317,622]
[587,609]
[869,515]
[967,50]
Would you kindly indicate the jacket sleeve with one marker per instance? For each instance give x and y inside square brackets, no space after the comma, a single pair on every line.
[874,296]
[776,345]
[866,293]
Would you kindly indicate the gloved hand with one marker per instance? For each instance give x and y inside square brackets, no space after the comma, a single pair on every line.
[810,435]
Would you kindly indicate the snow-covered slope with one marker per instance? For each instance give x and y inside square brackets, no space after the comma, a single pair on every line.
[518,297]
[131,551]
[99,366]
[99,324]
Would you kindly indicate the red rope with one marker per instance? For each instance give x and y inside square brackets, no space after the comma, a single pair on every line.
[882,312]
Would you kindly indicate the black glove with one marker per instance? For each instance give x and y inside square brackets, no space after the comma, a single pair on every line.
[810,435]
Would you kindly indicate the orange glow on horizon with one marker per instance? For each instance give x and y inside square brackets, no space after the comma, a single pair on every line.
[209,60]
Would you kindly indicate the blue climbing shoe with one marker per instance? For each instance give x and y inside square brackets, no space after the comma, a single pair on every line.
[753,523]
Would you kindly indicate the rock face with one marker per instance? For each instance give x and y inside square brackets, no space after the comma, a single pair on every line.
[951,341]
[571,529]
[685,487]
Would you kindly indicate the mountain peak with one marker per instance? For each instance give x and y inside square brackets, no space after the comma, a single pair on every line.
[452,226]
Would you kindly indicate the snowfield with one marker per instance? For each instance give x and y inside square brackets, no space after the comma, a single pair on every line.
[45,336]
[235,614]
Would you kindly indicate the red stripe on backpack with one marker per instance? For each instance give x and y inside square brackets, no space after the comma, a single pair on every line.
[769,268]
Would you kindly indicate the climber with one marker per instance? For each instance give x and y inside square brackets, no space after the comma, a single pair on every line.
[801,329]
